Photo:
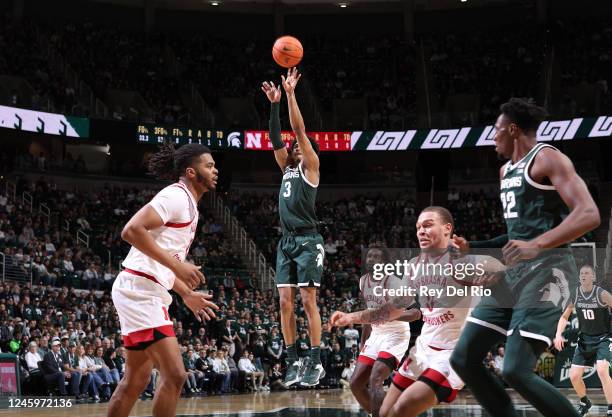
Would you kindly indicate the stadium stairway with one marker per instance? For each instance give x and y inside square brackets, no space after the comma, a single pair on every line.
[242,243]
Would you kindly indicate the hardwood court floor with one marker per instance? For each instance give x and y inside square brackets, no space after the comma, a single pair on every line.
[313,403]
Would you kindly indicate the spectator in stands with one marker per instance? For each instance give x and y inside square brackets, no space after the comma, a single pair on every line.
[275,347]
[347,374]
[221,367]
[237,376]
[108,355]
[98,363]
[120,360]
[15,343]
[499,360]
[33,356]
[336,365]
[245,365]
[87,367]
[303,344]
[91,277]
[351,336]
[55,375]
[194,377]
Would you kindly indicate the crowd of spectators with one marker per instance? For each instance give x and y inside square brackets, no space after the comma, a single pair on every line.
[490,65]
[46,247]
[585,65]
[24,57]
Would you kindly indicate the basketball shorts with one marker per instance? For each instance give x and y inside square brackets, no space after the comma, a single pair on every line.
[591,349]
[431,366]
[530,299]
[299,261]
[386,346]
[142,307]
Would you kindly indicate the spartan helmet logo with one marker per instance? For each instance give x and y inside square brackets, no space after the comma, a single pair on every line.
[234,140]
[556,292]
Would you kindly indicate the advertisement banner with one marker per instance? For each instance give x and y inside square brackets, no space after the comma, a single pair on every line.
[464,137]
[213,138]
[41,122]
[259,140]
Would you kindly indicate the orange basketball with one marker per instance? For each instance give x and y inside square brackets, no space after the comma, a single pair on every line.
[287,51]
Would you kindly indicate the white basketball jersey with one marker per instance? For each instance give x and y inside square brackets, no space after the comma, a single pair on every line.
[178,210]
[370,288]
[443,316]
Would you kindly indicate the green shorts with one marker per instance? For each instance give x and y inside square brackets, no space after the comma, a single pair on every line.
[530,299]
[591,349]
[299,261]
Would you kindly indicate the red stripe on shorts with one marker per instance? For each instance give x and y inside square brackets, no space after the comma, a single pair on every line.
[146,335]
[365,360]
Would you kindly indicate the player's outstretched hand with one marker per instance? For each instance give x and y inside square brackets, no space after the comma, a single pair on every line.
[200,306]
[460,243]
[559,343]
[339,319]
[291,81]
[189,273]
[517,250]
[273,92]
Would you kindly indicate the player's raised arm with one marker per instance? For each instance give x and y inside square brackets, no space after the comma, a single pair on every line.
[583,216]
[273,93]
[389,311]
[136,233]
[310,159]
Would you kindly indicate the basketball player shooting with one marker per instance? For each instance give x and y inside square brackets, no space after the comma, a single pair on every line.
[160,234]
[546,205]
[300,253]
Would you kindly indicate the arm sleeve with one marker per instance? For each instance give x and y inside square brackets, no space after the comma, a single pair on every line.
[496,242]
[275,128]
[170,203]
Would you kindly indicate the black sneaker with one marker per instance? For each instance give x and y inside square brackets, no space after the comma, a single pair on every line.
[583,408]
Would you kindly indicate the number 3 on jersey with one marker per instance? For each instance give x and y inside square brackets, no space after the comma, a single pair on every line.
[509,202]
[287,192]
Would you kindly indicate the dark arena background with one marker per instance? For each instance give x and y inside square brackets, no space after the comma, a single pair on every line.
[401,96]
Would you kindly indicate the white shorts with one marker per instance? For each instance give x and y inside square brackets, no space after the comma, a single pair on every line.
[431,366]
[381,345]
[142,307]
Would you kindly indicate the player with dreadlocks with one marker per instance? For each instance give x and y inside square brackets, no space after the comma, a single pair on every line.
[160,234]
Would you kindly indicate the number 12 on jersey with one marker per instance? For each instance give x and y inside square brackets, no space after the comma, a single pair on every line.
[509,202]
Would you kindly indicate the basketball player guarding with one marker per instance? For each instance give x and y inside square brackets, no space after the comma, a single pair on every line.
[383,345]
[592,304]
[160,234]
[546,205]
[426,378]
[300,253]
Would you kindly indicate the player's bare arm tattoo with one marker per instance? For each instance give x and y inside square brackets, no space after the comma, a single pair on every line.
[387,312]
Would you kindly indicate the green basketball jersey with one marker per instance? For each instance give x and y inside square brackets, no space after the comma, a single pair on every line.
[530,209]
[296,201]
[593,313]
